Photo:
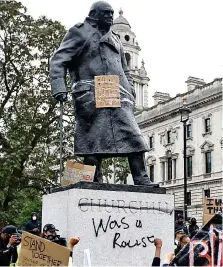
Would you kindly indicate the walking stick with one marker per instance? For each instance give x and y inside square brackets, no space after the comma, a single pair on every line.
[61,139]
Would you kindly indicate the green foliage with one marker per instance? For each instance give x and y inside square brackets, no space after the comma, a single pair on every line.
[29,117]
[20,210]
[29,132]
[116,170]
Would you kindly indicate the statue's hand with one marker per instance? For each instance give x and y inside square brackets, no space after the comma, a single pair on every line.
[62,97]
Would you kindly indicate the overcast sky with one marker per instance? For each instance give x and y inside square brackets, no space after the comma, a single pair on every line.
[177,38]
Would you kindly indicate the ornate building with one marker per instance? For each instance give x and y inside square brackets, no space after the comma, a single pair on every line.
[122,27]
[163,131]
[161,127]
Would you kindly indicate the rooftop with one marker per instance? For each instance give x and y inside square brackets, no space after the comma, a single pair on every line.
[195,98]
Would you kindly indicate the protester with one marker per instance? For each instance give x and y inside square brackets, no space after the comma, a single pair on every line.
[178,234]
[180,224]
[9,240]
[184,239]
[49,232]
[193,228]
[158,245]
[33,226]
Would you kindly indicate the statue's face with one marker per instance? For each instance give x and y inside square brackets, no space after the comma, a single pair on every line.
[105,17]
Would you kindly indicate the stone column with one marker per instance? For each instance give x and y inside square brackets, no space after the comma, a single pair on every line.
[166,171]
[173,169]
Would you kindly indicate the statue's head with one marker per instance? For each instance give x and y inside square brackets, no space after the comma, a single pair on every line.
[103,13]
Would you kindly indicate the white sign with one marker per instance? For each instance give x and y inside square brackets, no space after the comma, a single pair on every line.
[118,228]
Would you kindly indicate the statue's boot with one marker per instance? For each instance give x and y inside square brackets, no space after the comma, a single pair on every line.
[137,166]
[95,161]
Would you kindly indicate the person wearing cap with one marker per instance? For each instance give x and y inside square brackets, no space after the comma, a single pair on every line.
[8,243]
[33,226]
[49,232]
[180,224]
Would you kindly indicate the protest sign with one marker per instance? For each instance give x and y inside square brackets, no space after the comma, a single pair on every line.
[211,207]
[107,92]
[37,251]
[76,172]
[205,248]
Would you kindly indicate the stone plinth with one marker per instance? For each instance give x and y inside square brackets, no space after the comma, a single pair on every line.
[117,223]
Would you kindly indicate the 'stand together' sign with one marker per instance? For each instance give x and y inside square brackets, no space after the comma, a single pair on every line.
[36,251]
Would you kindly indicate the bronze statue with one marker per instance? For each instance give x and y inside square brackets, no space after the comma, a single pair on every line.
[91,49]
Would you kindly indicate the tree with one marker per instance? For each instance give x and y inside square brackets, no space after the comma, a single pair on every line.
[29,117]
[29,132]
[116,170]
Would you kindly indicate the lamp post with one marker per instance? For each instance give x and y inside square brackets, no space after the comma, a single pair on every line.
[184,110]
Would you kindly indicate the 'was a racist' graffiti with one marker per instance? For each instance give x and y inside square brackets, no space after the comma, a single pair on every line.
[117,228]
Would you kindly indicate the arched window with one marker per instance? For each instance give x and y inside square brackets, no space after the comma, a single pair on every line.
[151,162]
[128,59]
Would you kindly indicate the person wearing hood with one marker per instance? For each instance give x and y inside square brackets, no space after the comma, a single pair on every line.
[193,228]
[33,226]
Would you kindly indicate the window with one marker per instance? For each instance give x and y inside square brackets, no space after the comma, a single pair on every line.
[207,125]
[207,193]
[188,198]
[127,38]
[168,137]
[189,166]
[128,58]
[151,142]
[189,132]
[151,173]
[208,162]
[169,163]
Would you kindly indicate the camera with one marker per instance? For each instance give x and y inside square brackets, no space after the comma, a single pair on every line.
[57,239]
[18,239]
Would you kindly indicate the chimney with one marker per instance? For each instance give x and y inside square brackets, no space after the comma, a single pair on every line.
[160,97]
[193,82]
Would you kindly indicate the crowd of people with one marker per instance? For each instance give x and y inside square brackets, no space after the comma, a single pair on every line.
[10,239]
[184,231]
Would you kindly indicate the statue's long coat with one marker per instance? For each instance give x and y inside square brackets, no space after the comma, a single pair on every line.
[86,53]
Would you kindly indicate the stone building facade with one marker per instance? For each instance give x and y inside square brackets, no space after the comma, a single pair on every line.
[128,38]
[163,131]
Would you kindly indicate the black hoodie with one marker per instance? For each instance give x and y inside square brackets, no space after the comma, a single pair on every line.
[30,225]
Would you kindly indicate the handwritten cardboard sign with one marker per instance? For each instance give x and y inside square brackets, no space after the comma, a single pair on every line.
[107,92]
[76,172]
[37,251]
[211,207]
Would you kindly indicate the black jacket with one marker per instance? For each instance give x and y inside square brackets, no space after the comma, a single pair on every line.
[30,225]
[156,261]
[7,254]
